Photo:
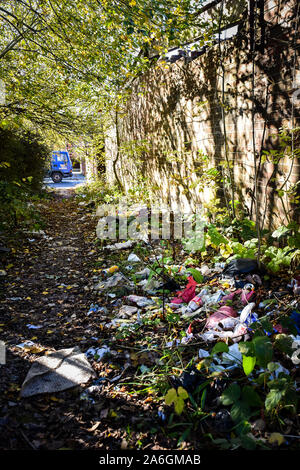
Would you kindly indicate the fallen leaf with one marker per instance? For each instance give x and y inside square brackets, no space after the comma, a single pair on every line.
[94,427]
[104,413]
[124,444]
[276,438]
[59,400]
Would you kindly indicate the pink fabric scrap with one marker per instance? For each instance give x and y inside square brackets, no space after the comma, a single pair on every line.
[246,296]
[230,296]
[223,312]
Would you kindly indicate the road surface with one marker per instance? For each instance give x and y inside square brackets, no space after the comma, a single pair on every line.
[78,179]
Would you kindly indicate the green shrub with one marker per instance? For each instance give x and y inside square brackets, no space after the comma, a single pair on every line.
[23,157]
[22,169]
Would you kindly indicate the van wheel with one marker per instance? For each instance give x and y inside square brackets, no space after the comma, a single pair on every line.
[56,177]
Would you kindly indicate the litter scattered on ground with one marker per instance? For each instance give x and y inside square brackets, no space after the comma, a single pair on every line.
[120,246]
[34,327]
[94,308]
[97,353]
[154,321]
[26,344]
[127,311]
[242,266]
[187,294]
[133,258]
[220,310]
[117,280]
[57,371]
[112,269]
[144,274]
[221,316]
[139,300]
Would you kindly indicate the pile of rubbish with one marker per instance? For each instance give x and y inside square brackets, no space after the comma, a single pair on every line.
[149,310]
[223,306]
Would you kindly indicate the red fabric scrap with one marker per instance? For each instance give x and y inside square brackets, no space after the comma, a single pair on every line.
[187,294]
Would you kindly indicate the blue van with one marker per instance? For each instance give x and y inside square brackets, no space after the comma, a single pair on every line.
[61,166]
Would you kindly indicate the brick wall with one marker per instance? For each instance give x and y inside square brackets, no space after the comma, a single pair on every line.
[176,110]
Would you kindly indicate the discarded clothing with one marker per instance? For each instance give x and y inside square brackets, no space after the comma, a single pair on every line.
[57,371]
[222,314]
[188,293]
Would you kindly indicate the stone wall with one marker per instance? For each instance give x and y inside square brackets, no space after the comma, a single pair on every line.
[175,111]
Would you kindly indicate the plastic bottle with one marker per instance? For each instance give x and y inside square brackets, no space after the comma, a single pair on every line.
[194,304]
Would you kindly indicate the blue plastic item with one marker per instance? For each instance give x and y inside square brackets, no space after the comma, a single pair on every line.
[296,318]
[61,166]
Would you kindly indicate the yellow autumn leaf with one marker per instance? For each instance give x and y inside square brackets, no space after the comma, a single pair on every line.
[225,250]
[36,349]
[276,438]
[182,393]
[179,406]
[171,396]
[226,285]
[53,398]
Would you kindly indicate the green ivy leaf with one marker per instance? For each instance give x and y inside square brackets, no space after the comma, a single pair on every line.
[272,366]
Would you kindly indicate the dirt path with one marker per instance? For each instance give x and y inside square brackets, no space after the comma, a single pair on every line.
[45,298]
[47,293]
[48,287]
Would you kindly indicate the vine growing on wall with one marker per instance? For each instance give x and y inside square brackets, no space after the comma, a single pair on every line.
[253,114]
[230,204]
